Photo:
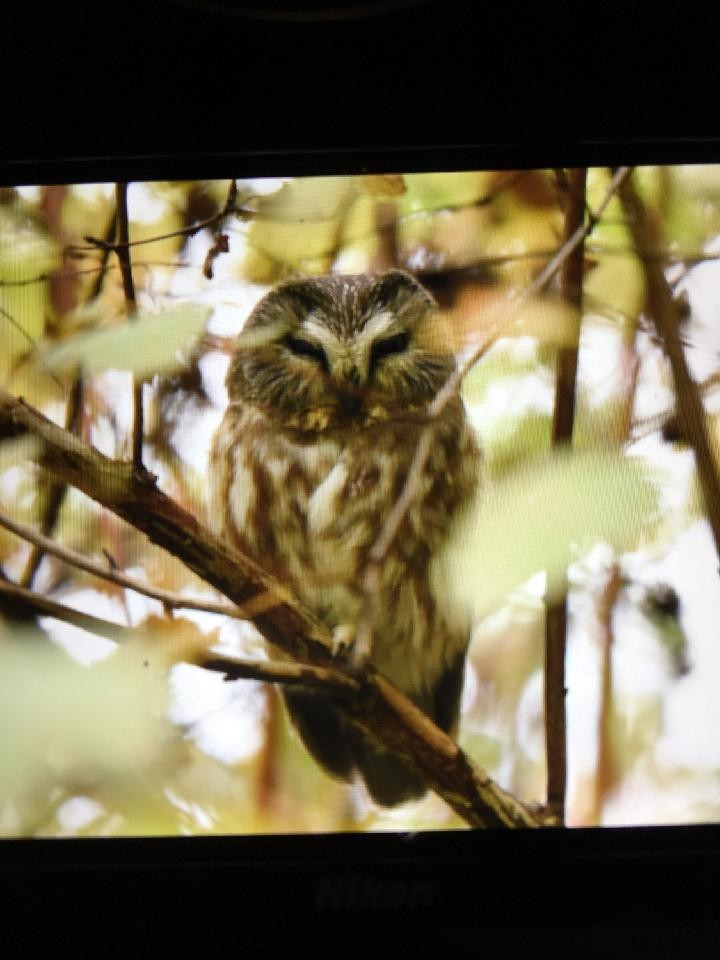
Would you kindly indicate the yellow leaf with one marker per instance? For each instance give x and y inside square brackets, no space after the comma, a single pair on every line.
[389,185]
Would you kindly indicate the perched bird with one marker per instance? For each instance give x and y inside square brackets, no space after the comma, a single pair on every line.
[328,391]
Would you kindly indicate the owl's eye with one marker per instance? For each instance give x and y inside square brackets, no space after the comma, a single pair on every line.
[304,348]
[388,346]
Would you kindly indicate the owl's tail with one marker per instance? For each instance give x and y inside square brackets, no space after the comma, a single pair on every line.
[389,781]
[340,748]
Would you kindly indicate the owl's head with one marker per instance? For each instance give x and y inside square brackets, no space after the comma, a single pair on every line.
[329,352]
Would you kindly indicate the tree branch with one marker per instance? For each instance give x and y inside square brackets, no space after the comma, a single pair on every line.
[556,616]
[55,491]
[666,313]
[606,775]
[170,600]
[407,496]
[42,606]
[229,207]
[275,671]
[378,708]
[122,249]
[444,396]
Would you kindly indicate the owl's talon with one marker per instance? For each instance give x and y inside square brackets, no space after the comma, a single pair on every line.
[359,659]
[343,639]
[359,656]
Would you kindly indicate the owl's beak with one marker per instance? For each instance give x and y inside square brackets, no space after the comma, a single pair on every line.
[346,372]
[349,402]
[349,380]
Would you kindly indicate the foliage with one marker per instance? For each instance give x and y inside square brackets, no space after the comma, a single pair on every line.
[219,757]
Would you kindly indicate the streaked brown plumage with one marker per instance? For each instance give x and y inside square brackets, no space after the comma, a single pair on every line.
[328,388]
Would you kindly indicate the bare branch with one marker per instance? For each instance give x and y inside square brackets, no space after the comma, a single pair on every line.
[123,254]
[170,600]
[666,312]
[667,419]
[229,207]
[40,605]
[73,415]
[556,617]
[606,775]
[571,285]
[379,709]
[276,671]
[407,496]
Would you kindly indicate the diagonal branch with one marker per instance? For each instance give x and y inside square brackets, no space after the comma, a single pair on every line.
[36,604]
[55,491]
[407,496]
[378,708]
[444,396]
[666,313]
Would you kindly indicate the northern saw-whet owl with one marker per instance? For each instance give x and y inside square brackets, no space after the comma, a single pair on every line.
[328,390]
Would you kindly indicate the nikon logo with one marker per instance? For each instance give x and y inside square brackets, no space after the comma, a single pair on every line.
[368,893]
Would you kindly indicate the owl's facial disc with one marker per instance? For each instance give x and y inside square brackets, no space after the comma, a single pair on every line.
[339,352]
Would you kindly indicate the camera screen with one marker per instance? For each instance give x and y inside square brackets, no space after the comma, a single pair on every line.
[360,503]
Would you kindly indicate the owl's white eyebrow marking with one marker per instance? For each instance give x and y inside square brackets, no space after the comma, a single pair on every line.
[381,322]
[313,326]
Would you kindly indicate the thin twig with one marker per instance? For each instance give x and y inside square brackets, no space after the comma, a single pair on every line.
[121,248]
[571,284]
[392,524]
[229,207]
[110,233]
[101,269]
[606,774]
[644,426]
[49,608]
[123,254]
[222,243]
[667,257]
[556,618]
[666,313]
[170,600]
[56,492]
[278,671]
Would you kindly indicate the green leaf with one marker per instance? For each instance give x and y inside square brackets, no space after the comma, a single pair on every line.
[146,345]
[515,439]
[541,517]
[61,720]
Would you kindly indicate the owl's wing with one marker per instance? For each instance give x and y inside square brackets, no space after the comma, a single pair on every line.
[323,731]
[389,781]
[338,746]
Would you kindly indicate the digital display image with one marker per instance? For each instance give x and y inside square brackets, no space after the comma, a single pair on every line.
[360,503]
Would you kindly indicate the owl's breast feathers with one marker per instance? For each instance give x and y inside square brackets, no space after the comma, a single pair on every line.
[308,508]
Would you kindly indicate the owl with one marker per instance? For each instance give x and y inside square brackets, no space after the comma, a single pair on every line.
[328,392]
